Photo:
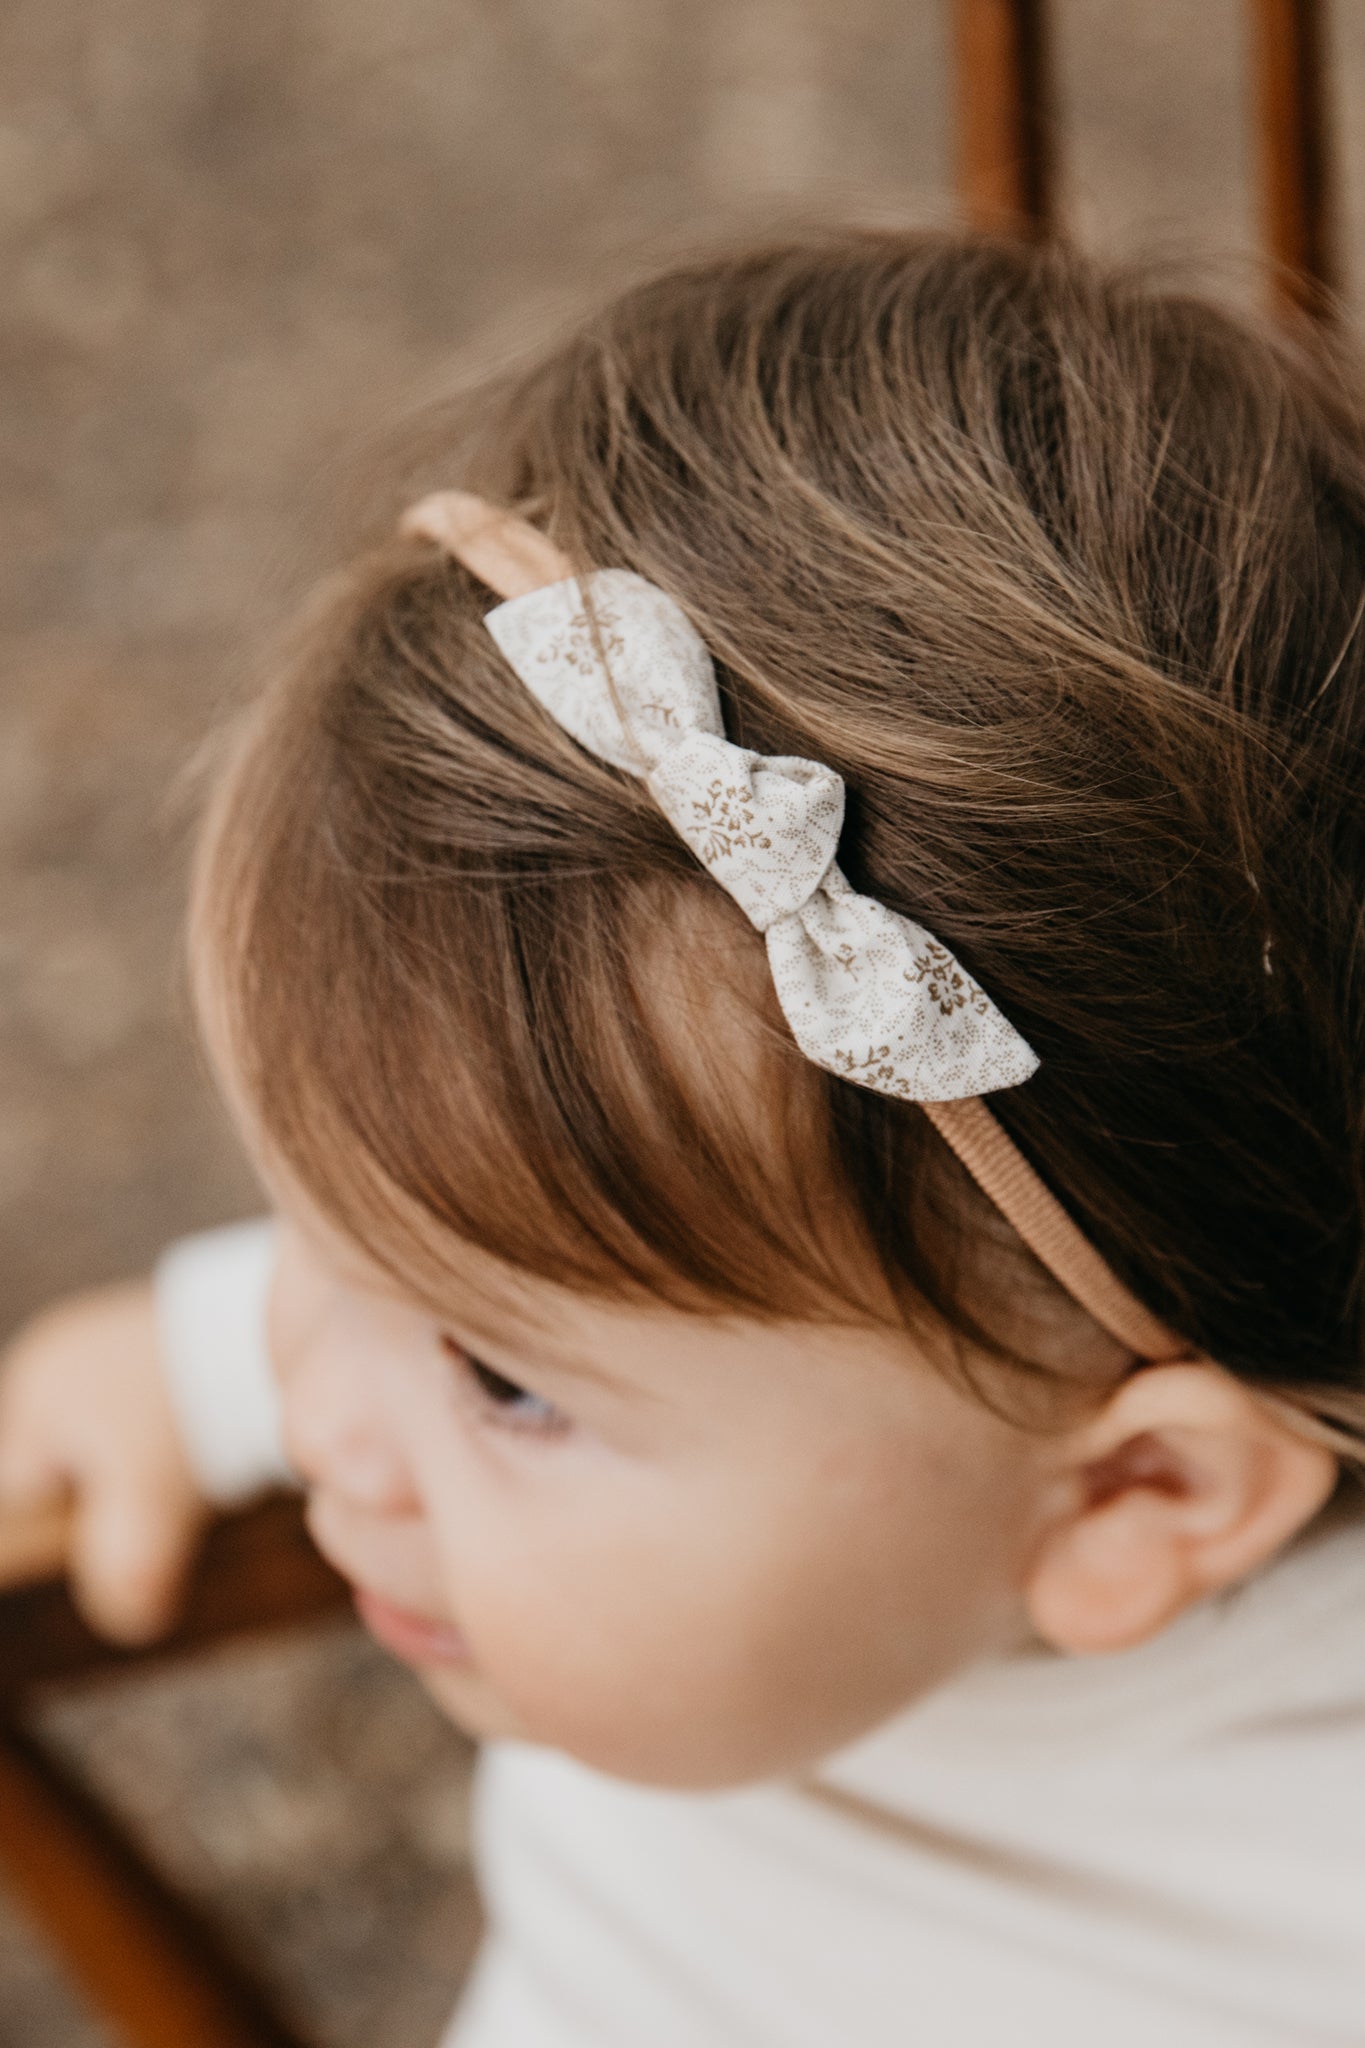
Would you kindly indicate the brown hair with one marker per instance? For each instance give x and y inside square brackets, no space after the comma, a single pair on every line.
[1064,572]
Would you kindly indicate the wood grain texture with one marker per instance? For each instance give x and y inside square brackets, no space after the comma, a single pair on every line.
[1298,201]
[1006,147]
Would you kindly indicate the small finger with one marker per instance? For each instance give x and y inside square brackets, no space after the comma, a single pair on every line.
[129,1556]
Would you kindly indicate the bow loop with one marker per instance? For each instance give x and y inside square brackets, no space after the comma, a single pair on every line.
[657,682]
[871,995]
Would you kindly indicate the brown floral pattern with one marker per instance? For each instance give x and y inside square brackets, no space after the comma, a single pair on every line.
[947,984]
[576,645]
[726,823]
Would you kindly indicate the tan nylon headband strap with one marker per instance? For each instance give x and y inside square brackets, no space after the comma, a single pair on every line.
[1001,1171]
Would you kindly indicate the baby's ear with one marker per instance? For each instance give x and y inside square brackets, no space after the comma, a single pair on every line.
[1186,1482]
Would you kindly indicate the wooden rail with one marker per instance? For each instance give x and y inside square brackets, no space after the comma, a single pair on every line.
[1004,114]
[33,1547]
[1298,209]
[1007,148]
[258,1572]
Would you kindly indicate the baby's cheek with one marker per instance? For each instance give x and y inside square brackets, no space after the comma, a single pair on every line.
[696,1642]
[665,1680]
[753,1655]
[570,1651]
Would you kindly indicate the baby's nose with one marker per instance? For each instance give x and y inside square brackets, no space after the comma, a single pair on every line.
[349,1456]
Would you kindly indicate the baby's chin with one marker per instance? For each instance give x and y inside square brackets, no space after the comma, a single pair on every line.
[686,1758]
[477,1709]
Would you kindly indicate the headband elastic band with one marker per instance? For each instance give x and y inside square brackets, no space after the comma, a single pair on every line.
[1001,1171]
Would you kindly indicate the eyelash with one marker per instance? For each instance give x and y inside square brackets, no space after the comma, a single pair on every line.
[501,1397]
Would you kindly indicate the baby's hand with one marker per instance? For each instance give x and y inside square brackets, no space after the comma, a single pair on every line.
[85,1417]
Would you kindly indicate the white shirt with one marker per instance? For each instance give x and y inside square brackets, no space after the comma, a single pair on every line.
[1160,1849]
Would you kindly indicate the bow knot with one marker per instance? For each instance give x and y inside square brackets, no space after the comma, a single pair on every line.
[766,825]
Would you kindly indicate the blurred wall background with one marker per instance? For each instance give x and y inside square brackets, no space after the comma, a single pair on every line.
[236,242]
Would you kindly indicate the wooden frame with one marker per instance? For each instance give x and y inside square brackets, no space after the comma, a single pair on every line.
[1006,134]
[1004,115]
[146,1961]
[1296,156]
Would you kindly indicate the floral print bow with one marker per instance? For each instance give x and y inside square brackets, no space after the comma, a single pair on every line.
[868,994]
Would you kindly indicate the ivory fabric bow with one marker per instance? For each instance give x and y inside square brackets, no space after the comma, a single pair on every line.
[868,994]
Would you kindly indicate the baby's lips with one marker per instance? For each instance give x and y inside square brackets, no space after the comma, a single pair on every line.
[416,1638]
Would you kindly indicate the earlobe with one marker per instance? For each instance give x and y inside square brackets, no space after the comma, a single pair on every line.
[1186,1483]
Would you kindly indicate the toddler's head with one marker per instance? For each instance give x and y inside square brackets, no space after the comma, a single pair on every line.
[671,1399]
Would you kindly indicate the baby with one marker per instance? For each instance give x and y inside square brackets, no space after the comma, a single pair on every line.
[790,955]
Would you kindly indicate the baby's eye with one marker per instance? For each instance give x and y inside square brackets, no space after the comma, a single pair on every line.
[511,1405]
